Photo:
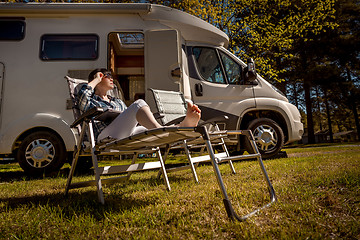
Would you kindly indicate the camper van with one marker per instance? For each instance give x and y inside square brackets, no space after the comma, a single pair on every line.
[145,46]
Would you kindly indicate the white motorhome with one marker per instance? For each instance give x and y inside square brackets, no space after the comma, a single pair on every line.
[145,46]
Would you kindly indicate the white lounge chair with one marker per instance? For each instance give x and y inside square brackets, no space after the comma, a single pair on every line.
[150,142]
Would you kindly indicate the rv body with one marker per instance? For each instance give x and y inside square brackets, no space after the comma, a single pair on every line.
[144,45]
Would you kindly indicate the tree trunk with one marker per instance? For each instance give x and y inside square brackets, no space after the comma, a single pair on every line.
[328,117]
[318,107]
[280,85]
[295,93]
[353,105]
[356,116]
[309,116]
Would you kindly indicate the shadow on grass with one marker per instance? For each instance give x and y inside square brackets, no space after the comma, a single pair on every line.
[12,176]
[75,203]
[20,175]
[84,201]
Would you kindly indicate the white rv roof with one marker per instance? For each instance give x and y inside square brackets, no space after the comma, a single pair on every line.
[191,27]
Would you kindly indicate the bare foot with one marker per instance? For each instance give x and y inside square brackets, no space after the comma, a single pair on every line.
[193,115]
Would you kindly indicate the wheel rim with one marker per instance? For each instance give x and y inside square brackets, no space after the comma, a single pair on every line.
[265,137]
[39,153]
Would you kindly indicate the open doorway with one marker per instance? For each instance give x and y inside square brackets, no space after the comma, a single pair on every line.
[126,62]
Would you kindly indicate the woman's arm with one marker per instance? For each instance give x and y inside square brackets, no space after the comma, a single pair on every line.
[85,98]
[97,79]
[86,93]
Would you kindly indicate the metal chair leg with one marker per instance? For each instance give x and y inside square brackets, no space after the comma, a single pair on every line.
[95,164]
[188,155]
[229,209]
[158,153]
[75,159]
[166,153]
[223,145]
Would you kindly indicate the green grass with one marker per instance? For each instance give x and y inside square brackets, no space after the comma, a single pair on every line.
[318,190]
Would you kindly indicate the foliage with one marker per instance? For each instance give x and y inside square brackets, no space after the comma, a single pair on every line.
[270,29]
[334,66]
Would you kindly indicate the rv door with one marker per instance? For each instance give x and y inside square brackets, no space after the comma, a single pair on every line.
[162,61]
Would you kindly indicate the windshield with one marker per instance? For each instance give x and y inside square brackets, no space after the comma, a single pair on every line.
[208,64]
[216,66]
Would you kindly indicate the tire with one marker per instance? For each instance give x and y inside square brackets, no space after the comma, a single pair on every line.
[269,137]
[41,152]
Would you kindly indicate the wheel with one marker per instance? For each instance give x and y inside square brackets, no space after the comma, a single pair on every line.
[269,137]
[41,152]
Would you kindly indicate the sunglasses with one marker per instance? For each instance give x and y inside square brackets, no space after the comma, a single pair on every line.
[108,75]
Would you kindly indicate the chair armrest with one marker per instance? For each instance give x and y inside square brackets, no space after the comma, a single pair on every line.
[172,122]
[214,120]
[86,115]
[108,115]
[158,115]
[175,121]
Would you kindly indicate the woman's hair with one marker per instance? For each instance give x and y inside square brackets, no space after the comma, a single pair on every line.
[92,75]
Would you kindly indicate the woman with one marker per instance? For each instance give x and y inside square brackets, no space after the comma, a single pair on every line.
[94,94]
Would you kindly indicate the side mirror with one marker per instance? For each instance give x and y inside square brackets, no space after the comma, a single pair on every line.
[250,73]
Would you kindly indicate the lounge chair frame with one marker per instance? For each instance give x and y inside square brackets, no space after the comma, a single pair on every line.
[150,142]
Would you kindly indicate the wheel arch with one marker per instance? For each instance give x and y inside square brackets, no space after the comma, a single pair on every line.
[26,133]
[20,128]
[264,113]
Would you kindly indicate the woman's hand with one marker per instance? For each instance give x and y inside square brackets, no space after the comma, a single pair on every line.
[97,79]
[99,75]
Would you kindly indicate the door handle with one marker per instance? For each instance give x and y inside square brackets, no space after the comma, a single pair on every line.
[198,89]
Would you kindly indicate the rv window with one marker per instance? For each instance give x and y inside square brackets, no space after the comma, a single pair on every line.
[208,64]
[131,38]
[69,47]
[232,69]
[12,29]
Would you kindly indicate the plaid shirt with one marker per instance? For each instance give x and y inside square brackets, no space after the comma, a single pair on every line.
[88,99]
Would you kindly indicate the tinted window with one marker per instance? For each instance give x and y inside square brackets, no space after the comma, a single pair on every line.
[12,30]
[131,38]
[69,47]
[232,68]
[208,64]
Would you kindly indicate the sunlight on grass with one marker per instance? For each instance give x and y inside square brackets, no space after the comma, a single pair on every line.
[317,189]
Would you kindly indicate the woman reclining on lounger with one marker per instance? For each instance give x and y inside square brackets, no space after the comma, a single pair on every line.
[94,94]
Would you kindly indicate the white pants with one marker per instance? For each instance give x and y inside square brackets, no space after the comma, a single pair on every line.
[125,124]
